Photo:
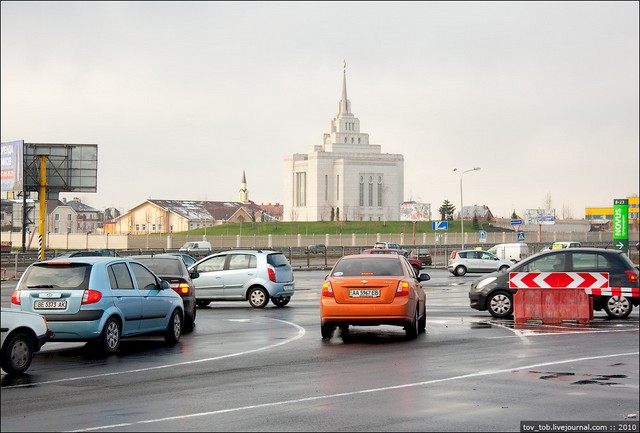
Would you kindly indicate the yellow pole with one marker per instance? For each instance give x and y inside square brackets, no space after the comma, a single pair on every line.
[43,203]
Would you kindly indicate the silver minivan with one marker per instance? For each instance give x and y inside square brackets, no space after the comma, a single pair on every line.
[256,276]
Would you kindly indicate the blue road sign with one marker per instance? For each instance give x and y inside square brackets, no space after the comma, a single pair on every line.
[520,236]
[439,225]
[516,222]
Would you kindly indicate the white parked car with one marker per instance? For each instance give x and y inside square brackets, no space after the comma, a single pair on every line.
[463,261]
[23,334]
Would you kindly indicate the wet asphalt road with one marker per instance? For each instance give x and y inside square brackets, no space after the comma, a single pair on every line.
[269,370]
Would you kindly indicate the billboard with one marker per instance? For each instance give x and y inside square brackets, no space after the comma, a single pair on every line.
[411,211]
[70,167]
[539,216]
[12,163]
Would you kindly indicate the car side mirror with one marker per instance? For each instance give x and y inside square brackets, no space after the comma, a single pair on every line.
[424,277]
[194,274]
[164,285]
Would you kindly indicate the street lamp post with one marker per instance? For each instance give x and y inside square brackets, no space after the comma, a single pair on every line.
[461,202]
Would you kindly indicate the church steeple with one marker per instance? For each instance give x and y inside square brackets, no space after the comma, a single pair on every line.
[244,193]
[345,105]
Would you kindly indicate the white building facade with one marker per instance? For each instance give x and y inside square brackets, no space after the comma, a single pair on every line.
[345,178]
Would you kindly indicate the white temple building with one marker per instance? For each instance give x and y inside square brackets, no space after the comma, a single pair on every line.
[345,178]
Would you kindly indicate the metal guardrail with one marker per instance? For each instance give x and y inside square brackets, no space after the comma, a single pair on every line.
[13,264]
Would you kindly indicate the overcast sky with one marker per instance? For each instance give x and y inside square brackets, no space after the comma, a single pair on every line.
[182,97]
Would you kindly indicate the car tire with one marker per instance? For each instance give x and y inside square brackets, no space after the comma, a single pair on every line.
[500,304]
[17,354]
[281,302]
[174,328]
[416,269]
[422,322]
[411,329]
[503,268]
[202,304]
[326,330]
[189,322]
[617,307]
[109,341]
[459,271]
[258,298]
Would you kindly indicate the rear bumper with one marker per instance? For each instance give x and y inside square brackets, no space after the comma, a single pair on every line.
[43,339]
[281,290]
[399,312]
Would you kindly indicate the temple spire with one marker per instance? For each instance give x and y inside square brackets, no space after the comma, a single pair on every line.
[244,193]
[345,104]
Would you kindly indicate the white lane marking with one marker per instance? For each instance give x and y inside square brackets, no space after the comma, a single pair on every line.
[347,394]
[301,333]
[519,333]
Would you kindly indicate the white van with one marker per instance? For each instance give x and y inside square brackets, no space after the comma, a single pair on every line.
[196,247]
[514,252]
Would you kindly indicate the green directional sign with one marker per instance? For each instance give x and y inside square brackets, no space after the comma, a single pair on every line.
[621,224]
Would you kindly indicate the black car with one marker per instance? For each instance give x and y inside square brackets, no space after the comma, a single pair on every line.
[492,292]
[172,269]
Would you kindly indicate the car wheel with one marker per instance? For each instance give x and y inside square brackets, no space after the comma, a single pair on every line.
[174,328]
[258,298]
[202,304]
[422,323]
[327,330]
[460,271]
[617,307]
[417,270]
[411,329]
[17,354]
[500,304]
[281,302]
[110,337]
[503,268]
[190,321]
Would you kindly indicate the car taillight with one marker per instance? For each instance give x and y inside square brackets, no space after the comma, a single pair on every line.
[181,288]
[15,297]
[327,290]
[403,289]
[633,278]
[454,254]
[272,274]
[91,297]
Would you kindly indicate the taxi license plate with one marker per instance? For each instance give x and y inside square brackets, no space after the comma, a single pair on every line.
[364,293]
[50,305]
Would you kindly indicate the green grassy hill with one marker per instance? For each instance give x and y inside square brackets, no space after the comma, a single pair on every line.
[327,227]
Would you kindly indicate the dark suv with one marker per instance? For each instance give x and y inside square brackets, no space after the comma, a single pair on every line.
[492,292]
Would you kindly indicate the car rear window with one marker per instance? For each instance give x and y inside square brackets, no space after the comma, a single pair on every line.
[277,259]
[163,266]
[358,267]
[57,276]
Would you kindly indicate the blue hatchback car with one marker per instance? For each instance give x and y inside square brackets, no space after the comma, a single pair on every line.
[100,300]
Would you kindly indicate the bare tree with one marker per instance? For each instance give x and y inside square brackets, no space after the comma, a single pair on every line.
[566,212]
[548,202]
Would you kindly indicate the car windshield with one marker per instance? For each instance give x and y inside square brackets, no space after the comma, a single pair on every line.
[367,267]
[57,276]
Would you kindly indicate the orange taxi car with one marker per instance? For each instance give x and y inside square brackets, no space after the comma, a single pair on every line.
[372,290]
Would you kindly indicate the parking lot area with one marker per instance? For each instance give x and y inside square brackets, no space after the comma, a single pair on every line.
[269,369]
